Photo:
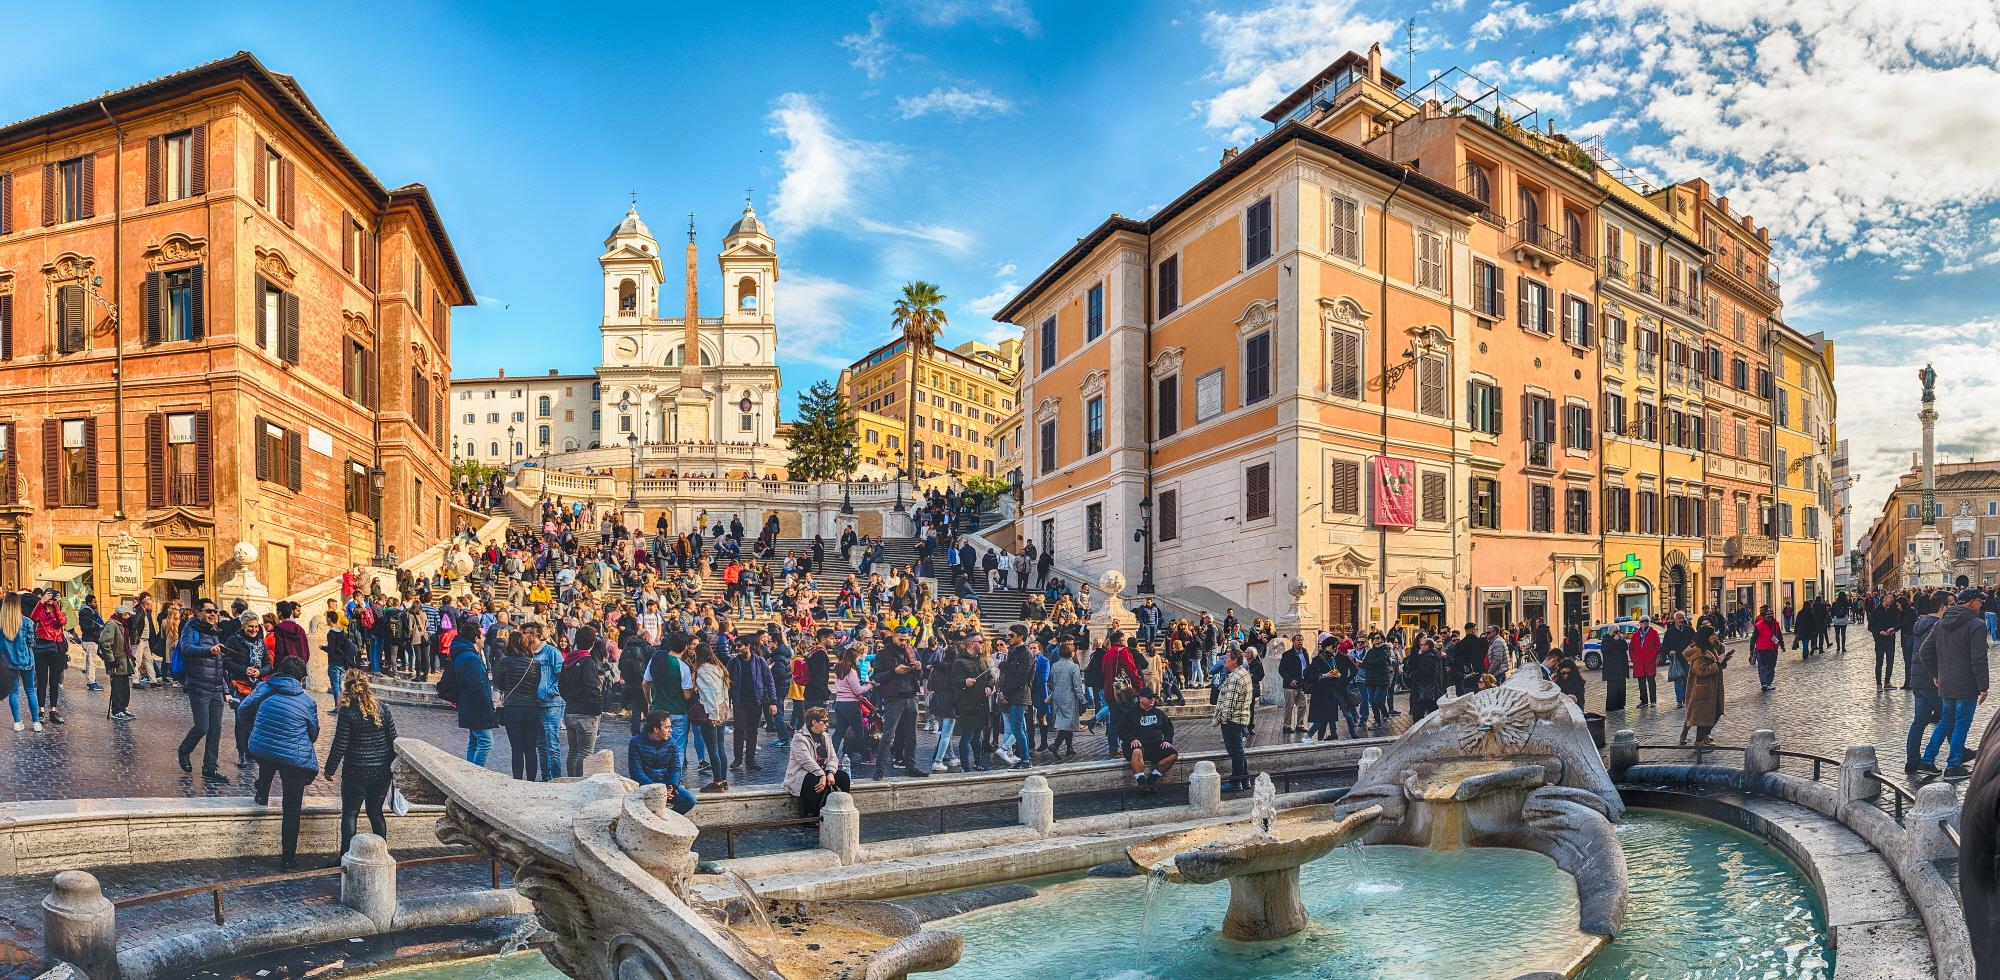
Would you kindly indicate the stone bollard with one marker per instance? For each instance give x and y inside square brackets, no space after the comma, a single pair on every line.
[368,880]
[1760,756]
[1935,801]
[1855,785]
[80,926]
[840,827]
[1369,756]
[599,762]
[1624,752]
[1038,804]
[1205,788]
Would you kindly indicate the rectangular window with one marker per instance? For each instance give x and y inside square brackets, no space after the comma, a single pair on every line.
[1048,343]
[1614,414]
[624,423]
[1649,512]
[278,454]
[1168,512]
[1167,406]
[1649,422]
[1534,304]
[1093,527]
[1430,261]
[1489,290]
[1783,408]
[1093,324]
[183,304]
[1093,427]
[1763,383]
[1484,401]
[71,189]
[1170,285]
[1344,240]
[1430,387]
[1257,368]
[1485,503]
[1343,488]
[1541,508]
[1208,396]
[1576,427]
[1434,504]
[1257,492]
[1576,511]
[1048,446]
[357,488]
[176,175]
[72,319]
[1257,233]
[1577,327]
[1345,371]
[1541,419]
[72,462]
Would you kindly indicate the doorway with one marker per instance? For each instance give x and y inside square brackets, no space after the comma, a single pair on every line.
[1677,589]
[1420,608]
[1343,609]
[278,568]
[1575,603]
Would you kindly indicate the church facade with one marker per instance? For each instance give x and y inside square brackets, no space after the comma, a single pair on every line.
[700,393]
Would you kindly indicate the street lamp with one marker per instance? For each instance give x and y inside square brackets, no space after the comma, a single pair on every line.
[632,498]
[899,482]
[1145,535]
[376,478]
[846,490]
[510,447]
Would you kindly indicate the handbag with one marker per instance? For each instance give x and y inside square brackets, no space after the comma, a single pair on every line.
[398,803]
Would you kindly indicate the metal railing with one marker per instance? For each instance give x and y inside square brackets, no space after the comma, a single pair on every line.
[1541,236]
[1647,283]
[216,889]
[1539,453]
[1615,269]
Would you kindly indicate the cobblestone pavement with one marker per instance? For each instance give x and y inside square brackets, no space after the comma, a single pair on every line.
[91,756]
[1822,705]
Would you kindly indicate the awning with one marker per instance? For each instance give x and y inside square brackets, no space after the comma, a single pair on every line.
[182,575]
[63,573]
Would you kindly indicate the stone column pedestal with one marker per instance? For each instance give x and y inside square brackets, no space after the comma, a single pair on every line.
[80,926]
[1264,906]
[840,827]
[368,880]
[1038,804]
[1760,756]
[1624,752]
[1369,756]
[1205,788]
[1935,801]
[1855,785]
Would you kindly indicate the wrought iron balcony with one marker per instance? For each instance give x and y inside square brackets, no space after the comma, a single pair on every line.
[1615,269]
[1647,283]
[1540,454]
[1538,244]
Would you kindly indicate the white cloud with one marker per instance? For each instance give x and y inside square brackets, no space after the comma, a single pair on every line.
[822,169]
[990,303]
[1502,18]
[1543,70]
[943,236]
[1004,269]
[819,315]
[958,103]
[1263,54]
[872,52]
[1012,14]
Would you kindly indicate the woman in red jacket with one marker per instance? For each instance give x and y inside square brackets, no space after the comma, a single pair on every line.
[1646,661]
[1767,638]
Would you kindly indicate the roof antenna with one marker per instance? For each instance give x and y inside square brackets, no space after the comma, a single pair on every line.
[1410,52]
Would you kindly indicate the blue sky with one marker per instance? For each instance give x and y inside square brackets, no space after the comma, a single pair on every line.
[970,141]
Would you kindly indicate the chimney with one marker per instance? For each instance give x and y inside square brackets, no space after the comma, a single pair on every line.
[1228,155]
[503,372]
[1375,63]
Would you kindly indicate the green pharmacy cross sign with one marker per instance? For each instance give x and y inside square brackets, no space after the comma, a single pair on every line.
[1630,565]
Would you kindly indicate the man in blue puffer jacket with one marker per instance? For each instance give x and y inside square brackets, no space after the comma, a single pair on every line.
[198,650]
[284,724]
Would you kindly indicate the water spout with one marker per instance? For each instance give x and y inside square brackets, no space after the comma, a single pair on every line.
[757,916]
[1154,880]
[1263,803]
[514,944]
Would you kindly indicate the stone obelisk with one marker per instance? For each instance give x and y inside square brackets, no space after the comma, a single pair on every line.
[1926,571]
[691,415]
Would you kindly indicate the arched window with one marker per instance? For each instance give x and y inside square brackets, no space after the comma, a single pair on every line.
[542,435]
[542,406]
[746,294]
[1477,183]
[1573,230]
[1531,210]
[628,297]
[493,449]
[520,450]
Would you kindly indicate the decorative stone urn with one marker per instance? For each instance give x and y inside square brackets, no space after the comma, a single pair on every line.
[1109,612]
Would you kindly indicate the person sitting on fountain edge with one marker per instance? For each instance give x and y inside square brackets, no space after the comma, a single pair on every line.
[1151,745]
[653,758]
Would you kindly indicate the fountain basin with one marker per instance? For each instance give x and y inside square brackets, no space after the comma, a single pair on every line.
[1260,858]
[808,940]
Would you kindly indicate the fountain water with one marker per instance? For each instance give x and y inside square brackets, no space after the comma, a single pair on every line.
[514,944]
[754,905]
[1259,857]
[1263,803]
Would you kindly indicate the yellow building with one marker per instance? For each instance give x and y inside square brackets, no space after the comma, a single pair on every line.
[965,395]
[1653,359]
[1801,377]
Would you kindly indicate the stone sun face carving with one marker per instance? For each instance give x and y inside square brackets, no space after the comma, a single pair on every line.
[1493,721]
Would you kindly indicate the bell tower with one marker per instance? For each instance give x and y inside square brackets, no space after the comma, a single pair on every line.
[749,261]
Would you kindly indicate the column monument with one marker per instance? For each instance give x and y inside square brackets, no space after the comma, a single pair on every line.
[1926,569]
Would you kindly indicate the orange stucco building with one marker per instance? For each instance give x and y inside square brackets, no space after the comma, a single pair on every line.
[217,325]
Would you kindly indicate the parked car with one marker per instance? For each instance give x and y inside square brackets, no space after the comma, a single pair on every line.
[1593,657]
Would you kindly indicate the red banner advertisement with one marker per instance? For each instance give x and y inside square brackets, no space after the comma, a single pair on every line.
[1395,491]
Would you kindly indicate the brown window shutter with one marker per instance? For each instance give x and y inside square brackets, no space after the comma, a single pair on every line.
[286,202]
[1434,503]
[88,199]
[1170,515]
[70,337]
[288,327]
[153,298]
[51,463]
[1344,493]
[346,242]
[10,470]
[262,447]
[294,458]
[48,193]
[347,369]
[6,203]
[204,460]
[197,289]
[1257,495]
[368,365]
[7,334]
[90,462]
[198,160]
[156,460]
[156,167]
[258,162]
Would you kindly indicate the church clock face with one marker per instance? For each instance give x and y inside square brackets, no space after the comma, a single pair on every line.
[626,348]
[745,349]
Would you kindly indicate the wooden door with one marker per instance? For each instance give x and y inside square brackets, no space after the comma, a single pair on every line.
[1343,605]
[278,569]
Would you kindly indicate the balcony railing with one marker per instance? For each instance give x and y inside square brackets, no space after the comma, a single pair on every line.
[1540,242]
[1575,250]
[1539,453]
[1647,283]
[1615,269]
[1649,362]
[1677,374]
[1614,354]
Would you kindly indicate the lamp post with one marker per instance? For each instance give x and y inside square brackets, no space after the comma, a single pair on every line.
[510,447]
[899,482]
[1145,536]
[376,479]
[632,497]
[846,491]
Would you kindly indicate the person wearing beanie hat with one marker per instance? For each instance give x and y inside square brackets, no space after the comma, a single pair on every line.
[114,648]
[1954,657]
[1150,740]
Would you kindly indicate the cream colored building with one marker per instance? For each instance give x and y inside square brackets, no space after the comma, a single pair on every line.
[967,396]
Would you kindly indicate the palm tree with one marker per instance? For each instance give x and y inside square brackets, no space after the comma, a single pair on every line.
[920,317]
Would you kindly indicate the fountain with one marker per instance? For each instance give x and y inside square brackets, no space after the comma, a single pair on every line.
[1513,766]
[1259,856]
[609,868]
